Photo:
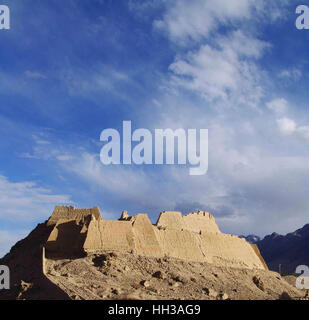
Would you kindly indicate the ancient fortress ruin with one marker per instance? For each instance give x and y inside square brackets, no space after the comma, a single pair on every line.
[194,237]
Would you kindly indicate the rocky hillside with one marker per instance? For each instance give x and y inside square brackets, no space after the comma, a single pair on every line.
[290,250]
[113,275]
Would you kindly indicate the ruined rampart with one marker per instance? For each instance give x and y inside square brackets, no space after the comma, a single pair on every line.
[194,237]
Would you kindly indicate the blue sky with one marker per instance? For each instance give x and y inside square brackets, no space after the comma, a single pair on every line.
[69,69]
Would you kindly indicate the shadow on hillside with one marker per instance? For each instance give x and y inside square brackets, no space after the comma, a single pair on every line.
[27,280]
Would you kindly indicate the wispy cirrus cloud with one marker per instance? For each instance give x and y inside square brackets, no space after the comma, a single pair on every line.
[22,203]
[26,200]
[279,106]
[293,74]
[34,74]
[184,23]
[287,126]
[224,70]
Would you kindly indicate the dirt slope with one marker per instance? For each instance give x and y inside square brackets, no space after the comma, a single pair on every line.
[127,276]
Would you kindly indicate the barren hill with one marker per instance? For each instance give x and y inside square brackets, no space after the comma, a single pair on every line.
[290,250]
[78,255]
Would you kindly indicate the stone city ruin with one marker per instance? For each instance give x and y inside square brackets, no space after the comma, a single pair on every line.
[193,237]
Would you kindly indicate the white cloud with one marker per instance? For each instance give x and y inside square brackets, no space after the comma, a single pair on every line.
[226,70]
[34,75]
[286,126]
[130,183]
[101,79]
[242,45]
[39,139]
[193,20]
[63,157]
[291,74]
[26,200]
[44,149]
[279,106]
[303,132]
[24,203]
[289,127]
[185,21]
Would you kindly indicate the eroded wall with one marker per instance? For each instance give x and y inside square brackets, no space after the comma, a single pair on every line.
[194,237]
[71,213]
[109,235]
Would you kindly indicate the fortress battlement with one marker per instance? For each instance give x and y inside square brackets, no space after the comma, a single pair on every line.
[192,237]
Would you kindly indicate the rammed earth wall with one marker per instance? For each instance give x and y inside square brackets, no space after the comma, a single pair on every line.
[194,237]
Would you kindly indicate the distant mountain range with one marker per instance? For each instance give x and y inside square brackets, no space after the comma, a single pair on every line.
[289,251]
[251,238]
